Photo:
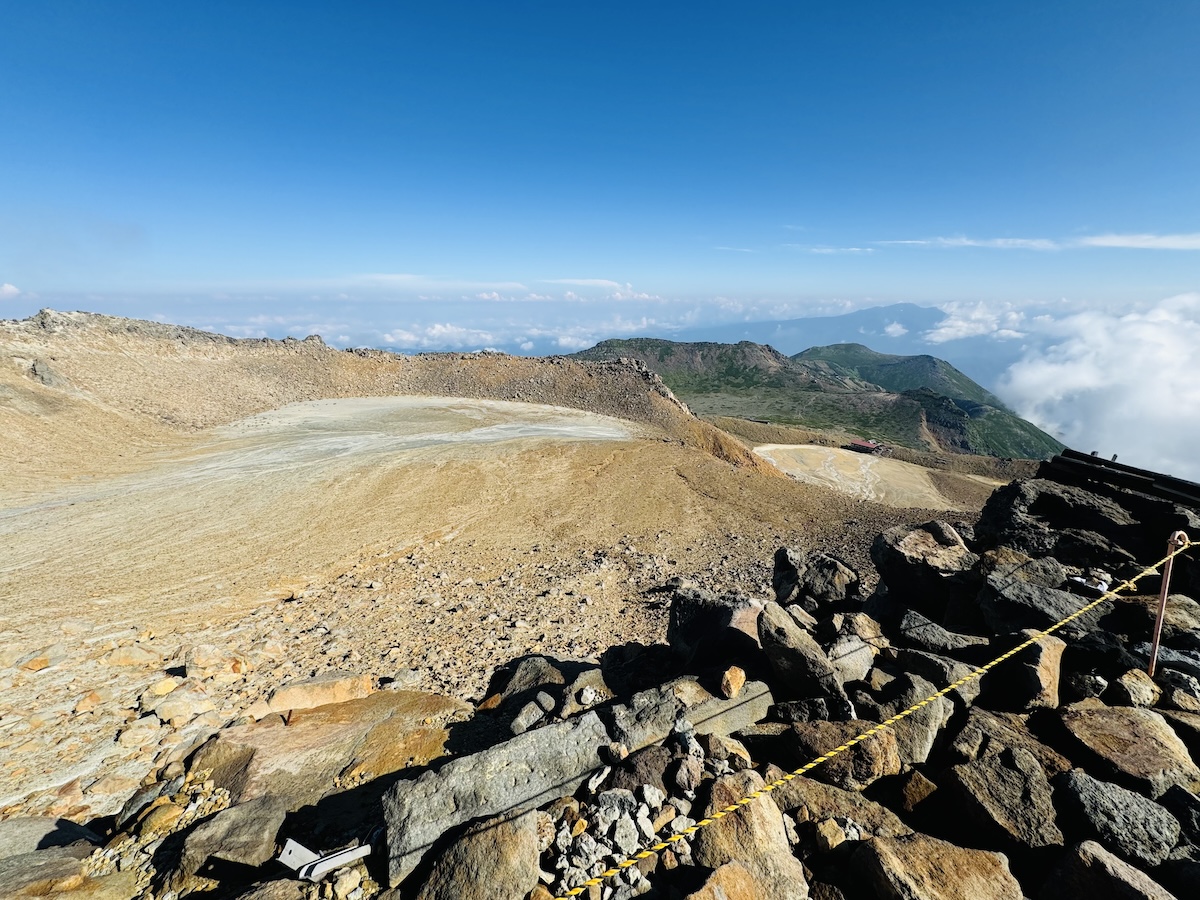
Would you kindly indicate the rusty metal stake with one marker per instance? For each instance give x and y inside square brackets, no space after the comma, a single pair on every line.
[1174,542]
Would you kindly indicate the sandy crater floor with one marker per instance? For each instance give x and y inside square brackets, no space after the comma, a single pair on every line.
[879,479]
[265,501]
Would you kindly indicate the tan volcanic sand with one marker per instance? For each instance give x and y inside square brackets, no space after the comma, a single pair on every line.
[163,491]
[874,478]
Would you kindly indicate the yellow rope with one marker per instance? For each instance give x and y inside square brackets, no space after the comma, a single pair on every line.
[632,860]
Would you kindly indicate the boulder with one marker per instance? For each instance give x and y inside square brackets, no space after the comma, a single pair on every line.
[814,581]
[988,733]
[1038,517]
[650,715]
[646,766]
[925,566]
[1136,829]
[1088,870]
[717,628]
[942,671]
[797,659]
[916,733]
[1010,564]
[731,881]
[25,834]
[496,859]
[1132,688]
[922,633]
[853,769]
[303,761]
[521,773]
[307,693]
[808,800]
[1185,807]
[754,836]
[1136,746]
[1014,605]
[240,834]
[1006,798]
[1028,680]
[41,873]
[919,867]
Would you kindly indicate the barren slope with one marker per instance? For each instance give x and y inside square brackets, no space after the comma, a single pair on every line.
[150,500]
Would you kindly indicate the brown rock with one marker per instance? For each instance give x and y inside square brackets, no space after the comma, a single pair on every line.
[88,702]
[133,655]
[753,836]
[814,799]
[916,788]
[852,769]
[1007,798]
[494,860]
[322,690]
[732,682]
[1134,688]
[41,873]
[302,761]
[918,867]
[1136,745]
[990,733]
[730,881]
[1030,681]
[1091,871]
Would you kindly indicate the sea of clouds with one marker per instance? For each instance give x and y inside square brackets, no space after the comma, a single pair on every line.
[1115,380]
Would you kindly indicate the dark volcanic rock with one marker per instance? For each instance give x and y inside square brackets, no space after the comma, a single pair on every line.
[1137,829]
[713,627]
[1043,518]
[1185,807]
[921,633]
[813,580]
[1009,604]
[798,660]
[925,566]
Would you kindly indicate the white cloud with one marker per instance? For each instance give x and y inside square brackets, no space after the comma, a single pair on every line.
[439,335]
[841,249]
[1144,241]
[8,291]
[975,320]
[992,243]
[583,282]
[570,342]
[895,329]
[735,249]
[1120,384]
[488,295]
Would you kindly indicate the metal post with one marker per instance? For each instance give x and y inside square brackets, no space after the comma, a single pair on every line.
[1174,542]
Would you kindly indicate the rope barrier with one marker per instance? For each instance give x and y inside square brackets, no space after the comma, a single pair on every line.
[633,859]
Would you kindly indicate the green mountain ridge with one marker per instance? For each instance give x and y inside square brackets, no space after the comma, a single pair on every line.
[920,402]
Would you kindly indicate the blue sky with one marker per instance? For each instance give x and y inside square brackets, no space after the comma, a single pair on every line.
[544,174]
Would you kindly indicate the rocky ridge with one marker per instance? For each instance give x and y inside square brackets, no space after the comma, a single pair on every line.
[1066,769]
